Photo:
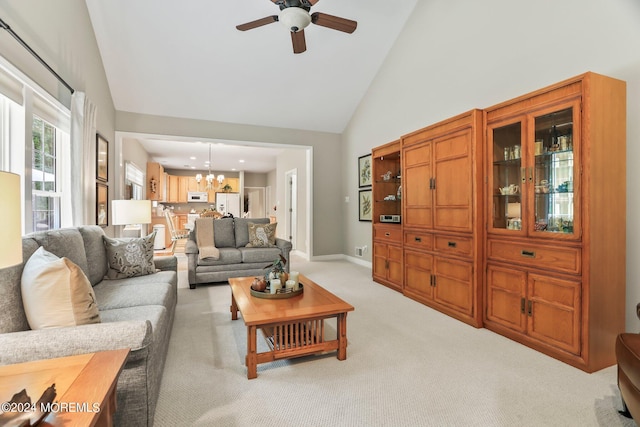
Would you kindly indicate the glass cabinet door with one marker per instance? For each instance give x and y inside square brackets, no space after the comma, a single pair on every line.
[554,207]
[507,177]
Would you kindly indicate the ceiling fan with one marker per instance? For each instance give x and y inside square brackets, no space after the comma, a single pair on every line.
[295,15]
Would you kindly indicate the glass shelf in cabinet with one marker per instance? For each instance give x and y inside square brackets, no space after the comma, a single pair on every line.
[510,162]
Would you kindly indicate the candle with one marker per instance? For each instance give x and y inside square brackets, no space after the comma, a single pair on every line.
[275,285]
[293,275]
[290,285]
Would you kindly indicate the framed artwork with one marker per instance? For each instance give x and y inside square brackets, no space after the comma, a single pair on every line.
[364,171]
[102,204]
[102,158]
[365,205]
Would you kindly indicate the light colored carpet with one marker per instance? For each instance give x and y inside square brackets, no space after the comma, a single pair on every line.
[407,365]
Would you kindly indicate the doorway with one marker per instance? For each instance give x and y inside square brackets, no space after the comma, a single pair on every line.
[291,203]
[254,202]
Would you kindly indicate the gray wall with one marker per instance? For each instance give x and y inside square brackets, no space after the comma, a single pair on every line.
[327,215]
[453,56]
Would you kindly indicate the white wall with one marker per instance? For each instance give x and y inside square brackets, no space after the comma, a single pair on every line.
[456,55]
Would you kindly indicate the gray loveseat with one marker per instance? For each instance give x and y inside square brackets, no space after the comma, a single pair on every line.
[136,313]
[231,235]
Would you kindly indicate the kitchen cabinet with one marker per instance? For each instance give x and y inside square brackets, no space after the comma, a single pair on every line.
[442,216]
[386,216]
[555,208]
[172,189]
[183,188]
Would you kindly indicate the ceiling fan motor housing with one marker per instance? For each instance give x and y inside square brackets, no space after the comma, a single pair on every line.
[294,18]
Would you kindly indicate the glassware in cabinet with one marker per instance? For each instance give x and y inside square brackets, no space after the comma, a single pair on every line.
[554,172]
[507,177]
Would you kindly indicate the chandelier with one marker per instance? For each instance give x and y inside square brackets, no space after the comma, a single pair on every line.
[210,177]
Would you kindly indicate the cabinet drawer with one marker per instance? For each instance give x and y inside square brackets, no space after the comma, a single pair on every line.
[418,240]
[387,233]
[454,245]
[564,259]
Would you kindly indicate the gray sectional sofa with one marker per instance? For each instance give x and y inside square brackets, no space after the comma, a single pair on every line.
[231,236]
[135,312]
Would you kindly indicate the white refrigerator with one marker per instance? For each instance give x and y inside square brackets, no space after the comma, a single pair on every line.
[228,203]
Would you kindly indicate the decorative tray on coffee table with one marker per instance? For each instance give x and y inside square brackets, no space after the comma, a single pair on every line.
[280,293]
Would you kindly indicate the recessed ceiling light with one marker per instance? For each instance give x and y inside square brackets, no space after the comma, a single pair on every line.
[206,162]
[241,161]
[192,158]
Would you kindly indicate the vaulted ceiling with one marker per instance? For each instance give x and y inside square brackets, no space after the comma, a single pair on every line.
[187,59]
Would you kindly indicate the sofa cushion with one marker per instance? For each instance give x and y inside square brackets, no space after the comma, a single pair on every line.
[227,256]
[152,289]
[262,235]
[95,251]
[129,257]
[241,226]
[64,242]
[56,293]
[265,255]
[223,233]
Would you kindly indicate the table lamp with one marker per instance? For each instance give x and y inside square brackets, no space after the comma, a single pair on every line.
[10,226]
[131,213]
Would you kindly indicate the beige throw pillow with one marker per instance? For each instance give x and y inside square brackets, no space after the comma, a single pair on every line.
[130,257]
[262,235]
[56,293]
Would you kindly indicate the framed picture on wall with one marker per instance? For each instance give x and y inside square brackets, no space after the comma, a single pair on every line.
[102,158]
[364,171]
[365,205]
[102,204]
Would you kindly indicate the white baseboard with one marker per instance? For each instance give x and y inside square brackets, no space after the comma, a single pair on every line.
[337,257]
[300,254]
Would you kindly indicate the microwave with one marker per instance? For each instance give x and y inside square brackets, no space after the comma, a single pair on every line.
[197,196]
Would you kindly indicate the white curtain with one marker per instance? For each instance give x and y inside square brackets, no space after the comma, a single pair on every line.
[82,173]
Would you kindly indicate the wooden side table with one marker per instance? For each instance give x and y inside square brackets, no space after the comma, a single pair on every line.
[85,385]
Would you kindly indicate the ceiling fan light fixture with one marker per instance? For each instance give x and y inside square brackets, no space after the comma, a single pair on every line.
[294,18]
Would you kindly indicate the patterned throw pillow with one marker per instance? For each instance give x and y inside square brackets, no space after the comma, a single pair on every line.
[262,235]
[130,257]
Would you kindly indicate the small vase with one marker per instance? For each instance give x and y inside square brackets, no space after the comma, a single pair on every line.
[284,276]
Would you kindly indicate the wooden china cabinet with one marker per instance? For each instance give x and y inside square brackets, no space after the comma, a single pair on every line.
[555,247]
[442,208]
[387,225]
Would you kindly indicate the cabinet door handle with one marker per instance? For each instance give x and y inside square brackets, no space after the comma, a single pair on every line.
[530,174]
[530,308]
[451,244]
[522,303]
[523,175]
[418,239]
[528,254]
[387,234]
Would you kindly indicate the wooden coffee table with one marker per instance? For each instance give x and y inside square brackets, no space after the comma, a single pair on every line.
[85,386]
[292,327]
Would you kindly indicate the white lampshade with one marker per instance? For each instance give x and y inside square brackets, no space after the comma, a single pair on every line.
[127,212]
[10,226]
[294,18]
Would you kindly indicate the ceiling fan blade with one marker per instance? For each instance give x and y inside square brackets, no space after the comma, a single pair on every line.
[257,23]
[299,42]
[334,22]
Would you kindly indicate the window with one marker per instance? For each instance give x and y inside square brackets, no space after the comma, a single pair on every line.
[45,201]
[35,144]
